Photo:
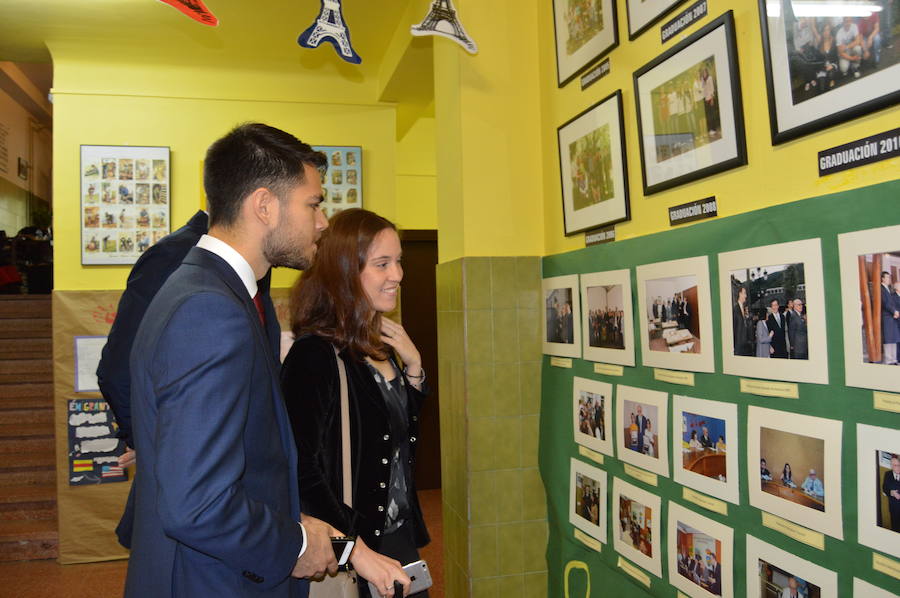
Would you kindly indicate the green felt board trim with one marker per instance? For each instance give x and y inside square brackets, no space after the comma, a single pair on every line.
[823,217]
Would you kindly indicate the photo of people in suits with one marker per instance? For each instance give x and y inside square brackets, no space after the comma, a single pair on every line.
[699,558]
[606,318]
[560,320]
[673,314]
[703,445]
[769,314]
[879,275]
[635,525]
[639,424]
[587,498]
[775,582]
[592,414]
[887,515]
[795,466]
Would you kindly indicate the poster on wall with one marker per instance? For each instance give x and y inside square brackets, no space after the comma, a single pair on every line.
[125,201]
[587,499]
[690,115]
[700,554]
[870,298]
[562,307]
[585,31]
[878,473]
[342,182]
[775,325]
[827,62]
[799,462]
[94,448]
[607,317]
[705,446]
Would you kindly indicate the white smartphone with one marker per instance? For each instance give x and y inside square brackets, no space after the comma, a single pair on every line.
[419,576]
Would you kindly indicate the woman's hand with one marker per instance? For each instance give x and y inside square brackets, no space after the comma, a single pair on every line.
[382,571]
[394,335]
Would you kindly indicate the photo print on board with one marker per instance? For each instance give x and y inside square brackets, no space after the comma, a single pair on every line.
[700,554]
[772,571]
[636,514]
[774,325]
[607,318]
[585,30]
[642,428]
[870,299]
[592,410]
[675,315]
[878,473]
[708,446]
[587,504]
[562,307]
[799,461]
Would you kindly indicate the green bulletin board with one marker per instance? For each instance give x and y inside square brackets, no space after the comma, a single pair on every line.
[578,571]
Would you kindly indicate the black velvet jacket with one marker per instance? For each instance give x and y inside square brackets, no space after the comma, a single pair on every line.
[311,388]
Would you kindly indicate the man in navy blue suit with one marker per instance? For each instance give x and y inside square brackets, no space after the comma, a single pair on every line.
[216,499]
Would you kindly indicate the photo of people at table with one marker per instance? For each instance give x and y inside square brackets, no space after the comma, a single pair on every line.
[879,275]
[592,414]
[887,515]
[634,525]
[560,318]
[769,312]
[606,319]
[640,423]
[587,498]
[699,558]
[775,582]
[703,445]
[673,314]
[792,467]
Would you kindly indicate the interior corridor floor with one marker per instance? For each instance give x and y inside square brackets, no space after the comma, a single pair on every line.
[48,579]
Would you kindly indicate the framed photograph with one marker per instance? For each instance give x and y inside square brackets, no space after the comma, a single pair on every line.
[707,442]
[643,14]
[775,325]
[585,31]
[781,573]
[636,514]
[642,428]
[870,299]
[125,198]
[863,589]
[562,334]
[690,116]
[587,499]
[592,167]
[675,315]
[799,461]
[607,319]
[592,414]
[878,467]
[700,554]
[826,64]
[342,182]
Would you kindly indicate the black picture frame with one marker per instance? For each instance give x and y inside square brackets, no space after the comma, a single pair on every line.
[594,215]
[783,111]
[716,38]
[592,51]
[633,34]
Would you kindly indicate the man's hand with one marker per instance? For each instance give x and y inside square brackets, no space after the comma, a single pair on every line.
[318,558]
[127,459]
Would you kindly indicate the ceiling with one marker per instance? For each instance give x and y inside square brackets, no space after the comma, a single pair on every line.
[258,34]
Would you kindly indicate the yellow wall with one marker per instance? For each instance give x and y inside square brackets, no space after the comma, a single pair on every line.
[773,175]
[416,175]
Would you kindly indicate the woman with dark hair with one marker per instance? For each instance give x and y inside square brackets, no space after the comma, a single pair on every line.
[338,307]
[787,476]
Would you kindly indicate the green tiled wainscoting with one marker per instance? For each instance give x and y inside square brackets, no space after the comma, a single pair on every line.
[495,514]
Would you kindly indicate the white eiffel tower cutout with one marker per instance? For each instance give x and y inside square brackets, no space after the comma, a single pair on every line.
[442,20]
[329,27]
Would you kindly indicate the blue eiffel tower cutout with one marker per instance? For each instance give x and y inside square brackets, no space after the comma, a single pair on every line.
[329,27]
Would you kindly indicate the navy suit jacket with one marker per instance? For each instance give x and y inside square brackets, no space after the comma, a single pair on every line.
[216,491]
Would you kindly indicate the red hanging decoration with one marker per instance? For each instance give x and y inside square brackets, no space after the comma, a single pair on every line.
[194,9]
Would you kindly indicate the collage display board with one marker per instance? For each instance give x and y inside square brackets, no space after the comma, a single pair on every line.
[731,452]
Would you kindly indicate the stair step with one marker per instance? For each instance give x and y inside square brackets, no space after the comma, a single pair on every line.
[25,306]
[29,390]
[24,437]
[26,328]
[26,348]
[17,494]
[28,540]
[14,412]
[28,468]
[26,370]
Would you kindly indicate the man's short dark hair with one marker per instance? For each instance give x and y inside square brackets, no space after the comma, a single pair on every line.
[250,156]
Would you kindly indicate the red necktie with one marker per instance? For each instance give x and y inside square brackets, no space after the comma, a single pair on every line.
[257,301]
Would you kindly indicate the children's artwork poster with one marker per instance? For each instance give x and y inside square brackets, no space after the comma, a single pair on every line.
[88,350]
[342,182]
[125,200]
[94,448]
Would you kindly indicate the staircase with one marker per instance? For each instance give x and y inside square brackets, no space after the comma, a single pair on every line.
[28,528]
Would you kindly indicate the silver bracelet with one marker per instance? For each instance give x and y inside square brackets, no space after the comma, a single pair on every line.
[408,375]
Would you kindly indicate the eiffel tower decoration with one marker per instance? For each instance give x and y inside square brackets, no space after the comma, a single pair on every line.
[329,27]
[440,17]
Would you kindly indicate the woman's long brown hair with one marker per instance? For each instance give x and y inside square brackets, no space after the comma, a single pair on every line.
[329,300]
